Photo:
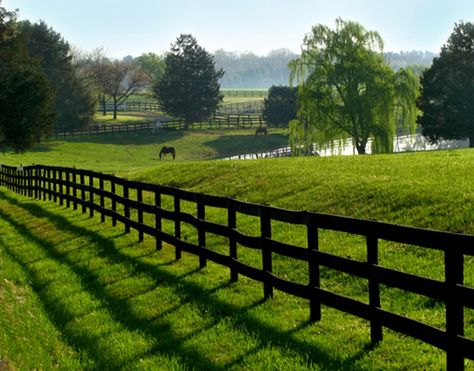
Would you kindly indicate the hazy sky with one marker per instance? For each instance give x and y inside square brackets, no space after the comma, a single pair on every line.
[139,26]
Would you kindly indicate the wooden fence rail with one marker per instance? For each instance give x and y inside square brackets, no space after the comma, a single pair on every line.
[218,121]
[131,203]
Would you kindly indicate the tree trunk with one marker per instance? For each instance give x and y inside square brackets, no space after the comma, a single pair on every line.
[104,108]
[115,109]
[186,123]
[360,146]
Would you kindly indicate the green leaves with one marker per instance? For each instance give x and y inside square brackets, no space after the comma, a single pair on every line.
[347,90]
[189,87]
[448,89]
[280,106]
[26,100]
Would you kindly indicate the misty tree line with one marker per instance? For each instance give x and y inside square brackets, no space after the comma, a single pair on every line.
[248,70]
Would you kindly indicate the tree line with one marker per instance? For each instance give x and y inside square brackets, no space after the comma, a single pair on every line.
[344,86]
[248,70]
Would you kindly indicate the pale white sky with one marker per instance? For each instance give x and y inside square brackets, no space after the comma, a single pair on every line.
[135,27]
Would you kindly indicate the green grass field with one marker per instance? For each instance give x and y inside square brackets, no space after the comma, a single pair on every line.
[123,153]
[84,295]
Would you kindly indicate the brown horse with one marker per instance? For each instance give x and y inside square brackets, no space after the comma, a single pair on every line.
[167,151]
[261,130]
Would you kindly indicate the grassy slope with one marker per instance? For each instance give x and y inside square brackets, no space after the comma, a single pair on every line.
[127,152]
[432,190]
[181,318]
[85,296]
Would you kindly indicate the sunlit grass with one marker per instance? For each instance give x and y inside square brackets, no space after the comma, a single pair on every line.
[85,295]
[123,153]
[96,299]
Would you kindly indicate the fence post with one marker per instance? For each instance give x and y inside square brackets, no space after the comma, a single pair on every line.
[140,212]
[49,185]
[177,224]
[232,222]
[36,183]
[114,203]
[314,276]
[266,232]
[61,185]
[454,272]
[74,189]
[42,183]
[68,189]
[55,185]
[374,290]
[201,214]
[83,193]
[102,204]
[159,242]
[91,195]
[126,208]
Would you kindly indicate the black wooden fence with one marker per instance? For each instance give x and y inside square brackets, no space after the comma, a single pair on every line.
[215,122]
[111,197]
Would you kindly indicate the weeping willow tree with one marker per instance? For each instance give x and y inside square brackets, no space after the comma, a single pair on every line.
[347,90]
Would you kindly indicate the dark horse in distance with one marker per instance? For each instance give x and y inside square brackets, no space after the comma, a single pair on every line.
[261,130]
[167,151]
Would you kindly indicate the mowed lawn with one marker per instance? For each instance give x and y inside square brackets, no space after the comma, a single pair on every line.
[79,294]
[122,153]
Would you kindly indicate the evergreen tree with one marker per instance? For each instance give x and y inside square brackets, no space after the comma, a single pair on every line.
[448,89]
[73,102]
[26,109]
[280,106]
[189,88]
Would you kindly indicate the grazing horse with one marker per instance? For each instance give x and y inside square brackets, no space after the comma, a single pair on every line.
[167,150]
[261,130]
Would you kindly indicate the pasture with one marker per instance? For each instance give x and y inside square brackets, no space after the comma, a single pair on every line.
[123,153]
[88,296]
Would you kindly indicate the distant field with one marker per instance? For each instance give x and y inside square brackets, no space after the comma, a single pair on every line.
[122,153]
[261,93]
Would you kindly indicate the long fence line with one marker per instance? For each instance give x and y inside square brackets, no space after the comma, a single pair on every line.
[218,121]
[252,107]
[130,203]
[249,107]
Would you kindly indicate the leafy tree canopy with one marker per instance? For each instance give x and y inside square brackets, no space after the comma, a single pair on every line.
[117,80]
[73,102]
[152,65]
[280,106]
[347,90]
[26,109]
[189,87]
[448,89]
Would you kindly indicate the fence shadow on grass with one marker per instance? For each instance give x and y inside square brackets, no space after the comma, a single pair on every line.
[165,339]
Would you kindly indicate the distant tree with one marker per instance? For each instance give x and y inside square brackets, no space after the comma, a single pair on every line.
[26,109]
[447,99]
[72,101]
[189,88]
[117,80]
[422,59]
[152,65]
[280,106]
[347,90]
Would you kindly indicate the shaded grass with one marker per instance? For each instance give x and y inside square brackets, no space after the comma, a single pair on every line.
[116,304]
